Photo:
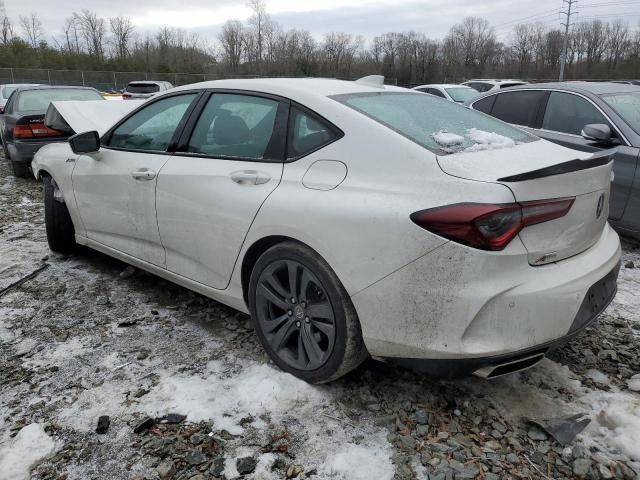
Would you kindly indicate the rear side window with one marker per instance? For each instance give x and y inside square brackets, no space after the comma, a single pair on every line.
[519,107]
[485,105]
[442,127]
[569,113]
[436,92]
[143,88]
[152,128]
[234,125]
[307,133]
[39,100]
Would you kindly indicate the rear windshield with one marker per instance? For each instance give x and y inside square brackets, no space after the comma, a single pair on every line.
[143,88]
[462,94]
[6,91]
[442,127]
[39,100]
[512,84]
[627,105]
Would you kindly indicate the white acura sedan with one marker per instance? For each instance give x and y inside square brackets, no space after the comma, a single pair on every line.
[349,218]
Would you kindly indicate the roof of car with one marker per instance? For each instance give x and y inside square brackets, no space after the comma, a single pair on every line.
[596,88]
[143,82]
[441,85]
[289,86]
[496,80]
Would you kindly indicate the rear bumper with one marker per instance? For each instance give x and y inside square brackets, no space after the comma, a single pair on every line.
[458,303]
[597,299]
[23,151]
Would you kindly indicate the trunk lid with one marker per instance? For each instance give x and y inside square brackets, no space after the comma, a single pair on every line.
[84,116]
[541,170]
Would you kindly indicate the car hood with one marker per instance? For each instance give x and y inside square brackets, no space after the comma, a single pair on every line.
[98,115]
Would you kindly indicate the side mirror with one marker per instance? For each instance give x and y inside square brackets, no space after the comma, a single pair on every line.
[86,142]
[598,132]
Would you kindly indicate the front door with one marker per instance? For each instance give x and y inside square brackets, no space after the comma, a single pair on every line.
[115,187]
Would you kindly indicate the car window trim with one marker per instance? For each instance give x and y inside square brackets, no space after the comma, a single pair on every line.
[279,127]
[338,133]
[612,125]
[176,135]
[505,92]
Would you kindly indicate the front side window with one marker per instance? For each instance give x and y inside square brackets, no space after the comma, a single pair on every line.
[39,100]
[442,127]
[306,133]
[519,107]
[627,105]
[569,113]
[233,125]
[152,128]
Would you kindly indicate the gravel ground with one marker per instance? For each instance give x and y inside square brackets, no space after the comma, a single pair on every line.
[189,393]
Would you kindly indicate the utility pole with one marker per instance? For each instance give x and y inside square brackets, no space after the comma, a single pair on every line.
[567,24]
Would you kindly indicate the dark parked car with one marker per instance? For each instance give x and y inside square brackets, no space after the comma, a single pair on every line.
[586,116]
[22,124]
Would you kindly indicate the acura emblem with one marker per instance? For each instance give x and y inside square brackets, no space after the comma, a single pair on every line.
[600,206]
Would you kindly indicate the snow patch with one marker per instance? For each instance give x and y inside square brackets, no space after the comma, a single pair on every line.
[447,139]
[487,140]
[355,462]
[19,455]
[258,389]
[598,377]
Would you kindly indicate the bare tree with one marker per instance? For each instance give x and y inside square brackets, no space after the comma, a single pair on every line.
[122,30]
[6,27]
[231,38]
[93,30]
[259,23]
[32,27]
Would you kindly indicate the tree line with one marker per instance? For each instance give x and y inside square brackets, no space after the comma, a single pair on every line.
[261,46]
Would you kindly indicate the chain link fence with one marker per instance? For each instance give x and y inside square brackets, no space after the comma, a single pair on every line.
[104,81]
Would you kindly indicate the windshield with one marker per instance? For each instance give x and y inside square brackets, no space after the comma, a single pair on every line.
[462,94]
[627,105]
[143,88]
[442,127]
[39,100]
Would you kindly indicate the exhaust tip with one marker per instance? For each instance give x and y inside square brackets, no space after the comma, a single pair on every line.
[501,369]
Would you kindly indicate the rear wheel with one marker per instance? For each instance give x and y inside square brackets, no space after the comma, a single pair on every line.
[20,169]
[303,315]
[60,231]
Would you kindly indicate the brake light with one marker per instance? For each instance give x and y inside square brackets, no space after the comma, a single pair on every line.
[489,226]
[126,95]
[34,130]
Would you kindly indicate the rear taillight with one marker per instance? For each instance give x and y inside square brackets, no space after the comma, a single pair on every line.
[126,96]
[34,130]
[489,226]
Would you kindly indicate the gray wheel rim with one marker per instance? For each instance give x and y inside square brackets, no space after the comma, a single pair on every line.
[295,314]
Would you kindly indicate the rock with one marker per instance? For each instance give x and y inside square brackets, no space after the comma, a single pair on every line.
[294,470]
[581,467]
[513,458]
[629,264]
[605,473]
[245,465]
[195,458]
[174,418]
[217,467]
[127,323]
[103,424]
[166,470]
[127,272]
[407,442]
[146,424]
[421,417]
[197,438]
[142,355]
[536,434]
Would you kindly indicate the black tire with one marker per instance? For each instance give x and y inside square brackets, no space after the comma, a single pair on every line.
[341,353]
[6,151]
[60,231]
[20,169]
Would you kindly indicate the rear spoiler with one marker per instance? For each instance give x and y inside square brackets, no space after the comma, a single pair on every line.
[597,160]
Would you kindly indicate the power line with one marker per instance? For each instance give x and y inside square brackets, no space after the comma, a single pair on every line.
[553,12]
[570,4]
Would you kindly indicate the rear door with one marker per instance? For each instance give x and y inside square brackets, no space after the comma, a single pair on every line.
[115,187]
[230,159]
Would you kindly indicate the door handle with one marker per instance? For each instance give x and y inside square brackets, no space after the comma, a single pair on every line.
[250,177]
[143,174]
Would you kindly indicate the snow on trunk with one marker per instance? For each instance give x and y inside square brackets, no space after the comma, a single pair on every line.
[487,140]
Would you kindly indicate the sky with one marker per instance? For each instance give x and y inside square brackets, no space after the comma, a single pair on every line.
[366,17]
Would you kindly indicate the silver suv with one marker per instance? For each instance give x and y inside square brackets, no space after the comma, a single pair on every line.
[144,89]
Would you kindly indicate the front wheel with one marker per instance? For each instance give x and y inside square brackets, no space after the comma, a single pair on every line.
[60,230]
[303,316]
